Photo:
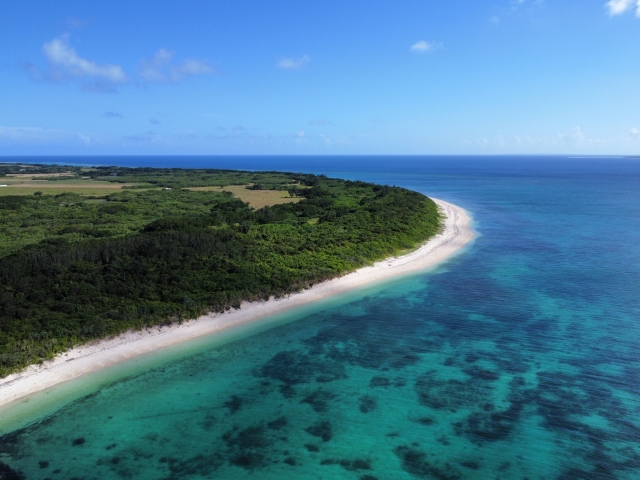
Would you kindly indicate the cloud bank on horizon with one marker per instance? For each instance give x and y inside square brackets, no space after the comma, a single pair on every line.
[516,76]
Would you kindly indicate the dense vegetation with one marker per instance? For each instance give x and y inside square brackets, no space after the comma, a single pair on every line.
[76,268]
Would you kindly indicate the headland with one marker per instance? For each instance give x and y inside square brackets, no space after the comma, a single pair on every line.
[83,360]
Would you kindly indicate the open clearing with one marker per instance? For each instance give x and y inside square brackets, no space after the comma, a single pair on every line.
[255,198]
[28,184]
[24,186]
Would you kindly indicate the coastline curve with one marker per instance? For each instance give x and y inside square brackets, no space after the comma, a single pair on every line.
[457,233]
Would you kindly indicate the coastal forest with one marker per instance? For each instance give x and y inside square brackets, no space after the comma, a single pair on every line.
[129,248]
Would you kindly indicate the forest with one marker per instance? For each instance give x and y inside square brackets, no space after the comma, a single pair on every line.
[75,268]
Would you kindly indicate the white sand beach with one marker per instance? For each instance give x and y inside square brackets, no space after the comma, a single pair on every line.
[91,357]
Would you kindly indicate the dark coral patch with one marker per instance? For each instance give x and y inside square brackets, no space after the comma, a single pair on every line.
[8,473]
[249,460]
[401,360]
[293,368]
[415,462]
[368,403]
[451,394]
[490,425]
[233,404]
[287,391]
[379,381]
[321,429]
[249,438]
[208,422]
[278,423]
[481,374]
[247,448]
[319,400]
[426,421]
[470,464]
[351,465]
[493,427]
[201,465]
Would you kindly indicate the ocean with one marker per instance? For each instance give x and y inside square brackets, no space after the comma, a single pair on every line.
[517,359]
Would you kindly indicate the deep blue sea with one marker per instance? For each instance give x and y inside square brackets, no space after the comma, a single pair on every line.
[517,359]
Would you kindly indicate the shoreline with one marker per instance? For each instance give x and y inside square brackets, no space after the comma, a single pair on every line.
[104,353]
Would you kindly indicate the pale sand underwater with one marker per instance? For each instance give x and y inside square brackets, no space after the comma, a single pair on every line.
[91,357]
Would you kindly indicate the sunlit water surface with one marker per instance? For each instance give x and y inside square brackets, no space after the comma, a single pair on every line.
[518,359]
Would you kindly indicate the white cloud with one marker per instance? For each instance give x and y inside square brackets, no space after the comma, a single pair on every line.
[151,70]
[300,137]
[634,133]
[577,135]
[193,67]
[67,63]
[160,69]
[618,7]
[426,47]
[112,115]
[293,63]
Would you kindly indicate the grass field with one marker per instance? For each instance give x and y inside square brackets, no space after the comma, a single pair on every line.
[25,185]
[28,184]
[255,198]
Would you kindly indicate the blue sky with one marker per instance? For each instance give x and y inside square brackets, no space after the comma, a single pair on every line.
[320,77]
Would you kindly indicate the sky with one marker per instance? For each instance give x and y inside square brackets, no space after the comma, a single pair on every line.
[242,77]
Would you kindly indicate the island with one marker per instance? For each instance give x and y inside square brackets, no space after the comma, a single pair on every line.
[106,263]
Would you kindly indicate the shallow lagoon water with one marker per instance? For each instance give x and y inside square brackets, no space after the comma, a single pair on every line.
[517,359]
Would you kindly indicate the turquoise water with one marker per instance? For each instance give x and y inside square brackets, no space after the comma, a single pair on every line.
[517,359]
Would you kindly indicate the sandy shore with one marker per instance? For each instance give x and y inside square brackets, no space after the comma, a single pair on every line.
[88,358]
